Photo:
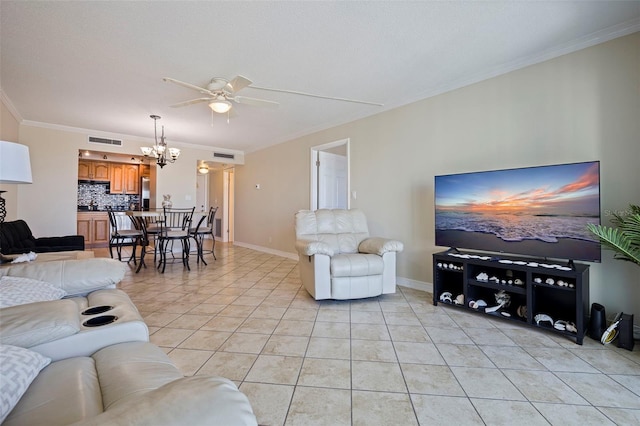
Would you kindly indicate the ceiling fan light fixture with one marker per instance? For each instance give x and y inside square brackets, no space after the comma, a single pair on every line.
[203,169]
[220,106]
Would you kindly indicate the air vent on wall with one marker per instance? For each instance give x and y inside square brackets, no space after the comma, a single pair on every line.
[223,155]
[105,141]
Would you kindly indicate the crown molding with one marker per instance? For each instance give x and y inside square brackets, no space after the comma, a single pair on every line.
[111,135]
[12,109]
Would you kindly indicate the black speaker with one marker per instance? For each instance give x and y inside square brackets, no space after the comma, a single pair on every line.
[625,330]
[597,322]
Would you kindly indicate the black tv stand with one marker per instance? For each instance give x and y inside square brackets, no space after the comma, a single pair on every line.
[535,287]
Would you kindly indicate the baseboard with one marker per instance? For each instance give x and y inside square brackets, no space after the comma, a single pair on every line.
[414,284]
[268,250]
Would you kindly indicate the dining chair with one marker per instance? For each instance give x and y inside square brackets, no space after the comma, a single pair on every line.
[140,224]
[174,227]
[152,223]
[120,237]
[200,232]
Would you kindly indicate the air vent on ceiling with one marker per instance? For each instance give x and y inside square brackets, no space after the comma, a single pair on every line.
[223,155]
[105,141]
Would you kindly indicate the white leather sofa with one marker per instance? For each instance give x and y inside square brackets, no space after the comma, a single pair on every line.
[339,260]
[63,328]
[107,374]
[128,384]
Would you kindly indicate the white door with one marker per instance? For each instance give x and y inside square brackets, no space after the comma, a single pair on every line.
[202,191]
[330,176]
[228,203]
[332,179]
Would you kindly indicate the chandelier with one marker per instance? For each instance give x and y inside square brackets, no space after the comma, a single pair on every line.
[160,151]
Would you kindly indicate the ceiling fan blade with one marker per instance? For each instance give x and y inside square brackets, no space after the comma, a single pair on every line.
[188,86]
[237,83]
[295,92]
[191,102]
[255,102]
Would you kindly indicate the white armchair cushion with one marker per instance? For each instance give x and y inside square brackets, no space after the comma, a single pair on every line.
[341,230]
[18,368]
[380,246]
[356,265]
[19,291]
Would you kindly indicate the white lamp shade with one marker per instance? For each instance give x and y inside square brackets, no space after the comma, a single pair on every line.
[15,166]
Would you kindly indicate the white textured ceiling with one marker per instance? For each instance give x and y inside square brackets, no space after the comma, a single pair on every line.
[99,65]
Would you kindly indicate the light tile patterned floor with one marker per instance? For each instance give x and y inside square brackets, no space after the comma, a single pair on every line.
[391,360]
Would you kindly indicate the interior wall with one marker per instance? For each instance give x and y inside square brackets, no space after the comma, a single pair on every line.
[579,107]
[9,132]
[49,205]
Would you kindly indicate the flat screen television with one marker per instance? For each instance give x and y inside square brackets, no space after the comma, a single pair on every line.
[535,211]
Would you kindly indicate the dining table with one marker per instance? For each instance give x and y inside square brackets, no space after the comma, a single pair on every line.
[141,220]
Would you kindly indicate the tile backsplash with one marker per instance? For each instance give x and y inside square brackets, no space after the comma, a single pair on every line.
[98,193]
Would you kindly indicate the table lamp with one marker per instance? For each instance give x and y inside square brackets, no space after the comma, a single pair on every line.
[15,167]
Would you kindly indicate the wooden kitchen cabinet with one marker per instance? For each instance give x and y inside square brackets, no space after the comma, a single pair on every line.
[93,170]
[94,227]
[125,178]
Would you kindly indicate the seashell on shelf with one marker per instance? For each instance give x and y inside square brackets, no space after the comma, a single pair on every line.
[482,276]
[543,318]
[537,280]
[459,300]
[477,304]
[503,298]
[560,325]
[518,281]
[549,281]
[446,297]
[522,311]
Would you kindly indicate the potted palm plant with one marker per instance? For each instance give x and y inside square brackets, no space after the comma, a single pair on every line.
[624,238]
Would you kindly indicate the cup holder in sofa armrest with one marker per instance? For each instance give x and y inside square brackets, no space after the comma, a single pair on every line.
[97,310]
[101,320]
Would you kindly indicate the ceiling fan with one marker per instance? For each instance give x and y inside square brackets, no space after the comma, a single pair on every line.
[220,93]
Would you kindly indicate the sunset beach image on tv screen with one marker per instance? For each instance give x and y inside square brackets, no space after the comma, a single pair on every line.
[538,211]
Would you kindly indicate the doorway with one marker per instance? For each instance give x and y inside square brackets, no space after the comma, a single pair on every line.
[330,176]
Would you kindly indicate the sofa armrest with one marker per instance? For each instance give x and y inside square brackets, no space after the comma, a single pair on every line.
[36,323]
[311,247]
[74,242]
[380,246]
[196,400]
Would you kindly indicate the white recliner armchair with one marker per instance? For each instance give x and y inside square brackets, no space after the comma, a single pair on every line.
[339,260]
